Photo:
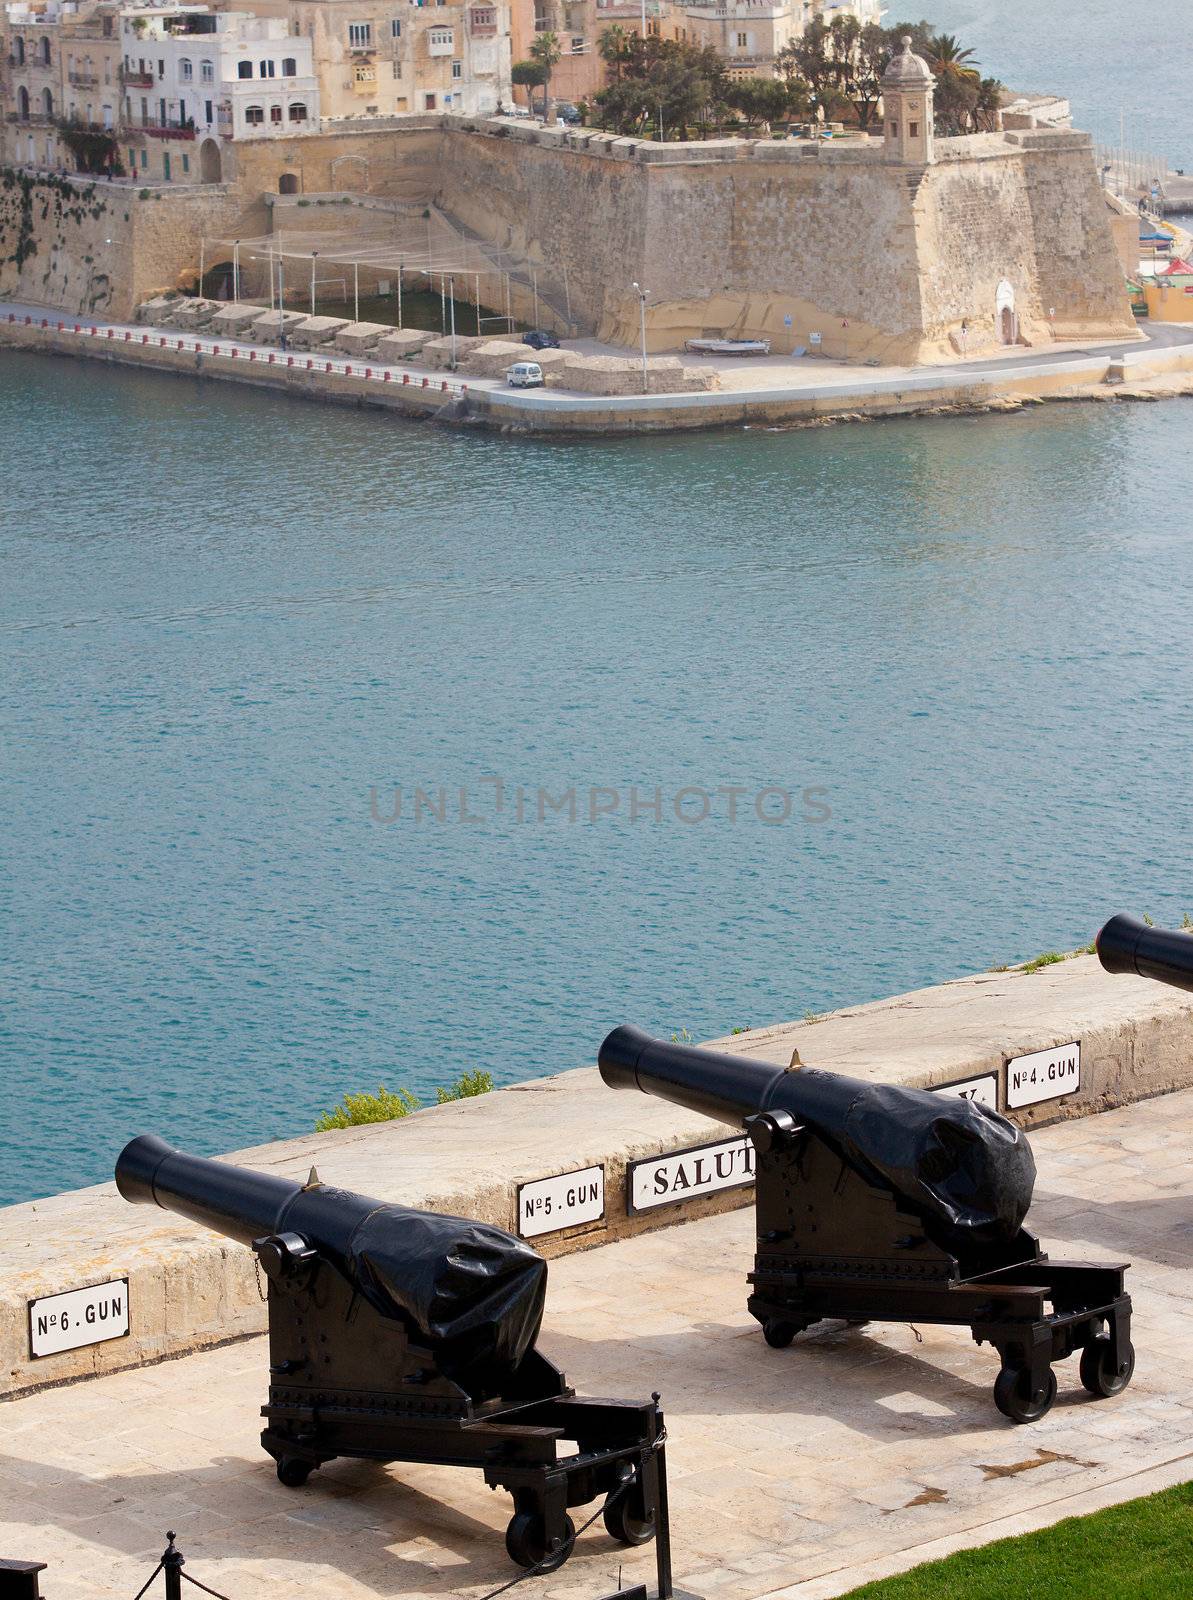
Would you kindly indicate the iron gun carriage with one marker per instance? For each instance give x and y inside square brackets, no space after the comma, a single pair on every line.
[405,1335]
[876,1202]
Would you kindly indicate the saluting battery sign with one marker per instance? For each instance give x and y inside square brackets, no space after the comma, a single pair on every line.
[79,1316]
[1043,1075]
[687,1174]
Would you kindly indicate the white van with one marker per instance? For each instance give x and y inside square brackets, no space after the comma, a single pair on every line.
[524,375]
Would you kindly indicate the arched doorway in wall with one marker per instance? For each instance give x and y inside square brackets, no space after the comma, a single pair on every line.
[288,183]
[210,164]
[1006,321]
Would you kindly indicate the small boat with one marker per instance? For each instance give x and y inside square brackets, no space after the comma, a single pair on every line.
[728,347]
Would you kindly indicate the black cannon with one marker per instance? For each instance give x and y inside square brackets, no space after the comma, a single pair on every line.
[403,1335]
[879,1202]
[1126,944]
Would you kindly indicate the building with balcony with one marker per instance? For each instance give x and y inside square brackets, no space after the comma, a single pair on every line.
[384,58]
[59,61]
[193,78]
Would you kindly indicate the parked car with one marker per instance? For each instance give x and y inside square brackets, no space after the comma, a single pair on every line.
[567,112]
[540,339]
[524,375]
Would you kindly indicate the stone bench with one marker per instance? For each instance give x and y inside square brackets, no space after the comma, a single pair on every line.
[194,313]
[438,352]
[234,321]
[315,331]
[267,328]
[402,344]
[355,338]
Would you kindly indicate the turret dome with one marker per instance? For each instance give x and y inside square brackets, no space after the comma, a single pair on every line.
[908,71]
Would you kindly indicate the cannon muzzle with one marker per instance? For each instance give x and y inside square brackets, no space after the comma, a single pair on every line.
[1126,944]
[967,1169]
[469,1287]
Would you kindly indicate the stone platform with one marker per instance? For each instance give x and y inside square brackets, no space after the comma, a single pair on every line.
[795,1473]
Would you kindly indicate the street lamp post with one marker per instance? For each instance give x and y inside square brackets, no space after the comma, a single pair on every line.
[282,302]
[451,294]
[642,298]
[314,255]
[236,273]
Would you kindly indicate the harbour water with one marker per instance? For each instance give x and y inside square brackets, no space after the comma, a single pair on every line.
[231,624]
[1126,71]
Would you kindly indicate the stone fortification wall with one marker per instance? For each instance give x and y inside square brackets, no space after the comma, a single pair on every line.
[98,248]
[739,238]
[1025,210]
[757,238]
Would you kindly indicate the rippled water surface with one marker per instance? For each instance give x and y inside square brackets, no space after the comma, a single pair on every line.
[224,618]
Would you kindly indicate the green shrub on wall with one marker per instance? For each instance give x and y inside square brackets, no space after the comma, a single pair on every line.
[357,1110]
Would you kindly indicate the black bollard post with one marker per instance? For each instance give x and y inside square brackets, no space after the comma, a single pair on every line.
[172,1565]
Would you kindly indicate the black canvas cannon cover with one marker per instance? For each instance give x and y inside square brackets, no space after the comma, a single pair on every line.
[960,1163]
[468,1286]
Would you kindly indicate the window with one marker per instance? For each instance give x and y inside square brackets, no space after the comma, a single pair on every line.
[364,74]
[913,130]
[298,112]
[430,99]
[244,69]
[254,115]
[207,72]
[265,69]
[161,69]
[894,128]
[395,28]
[457,69]
[18,50]
[187,70]
[289,67]
[275,113]
[45,52]
[360,35]
[166,165]
[186,163]
[441,41]
[207,112]
[742,41]
[47,105]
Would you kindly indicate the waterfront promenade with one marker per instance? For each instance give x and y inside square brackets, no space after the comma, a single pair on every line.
[770,389]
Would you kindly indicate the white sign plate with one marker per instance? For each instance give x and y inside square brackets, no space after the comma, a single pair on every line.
[565,1201]
[1043,1075]
[984,1089]
[79,1316]
[663,1180]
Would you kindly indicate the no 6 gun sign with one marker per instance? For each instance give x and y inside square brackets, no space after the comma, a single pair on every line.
[68,1321]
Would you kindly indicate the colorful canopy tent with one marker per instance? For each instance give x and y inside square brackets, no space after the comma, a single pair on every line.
[1177,267]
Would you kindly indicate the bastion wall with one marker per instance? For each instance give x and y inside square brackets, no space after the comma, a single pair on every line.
[748,239]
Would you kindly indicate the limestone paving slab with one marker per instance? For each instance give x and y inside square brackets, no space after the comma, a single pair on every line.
[793,1473]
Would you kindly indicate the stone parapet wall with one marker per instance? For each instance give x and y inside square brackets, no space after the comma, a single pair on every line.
[190,1288]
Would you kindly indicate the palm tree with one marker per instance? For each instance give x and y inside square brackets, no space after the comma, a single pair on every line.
[613,47]
[945,53]
[545,50]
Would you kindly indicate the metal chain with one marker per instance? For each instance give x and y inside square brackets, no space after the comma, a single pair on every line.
[148,1581]
[203,1586]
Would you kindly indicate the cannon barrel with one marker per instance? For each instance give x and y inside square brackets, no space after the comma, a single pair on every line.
[966,1168]
[1127,945]
[466,1285]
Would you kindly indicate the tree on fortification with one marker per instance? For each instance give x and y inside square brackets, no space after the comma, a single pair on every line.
[528,75]
[667,82]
